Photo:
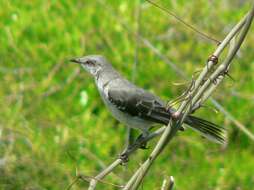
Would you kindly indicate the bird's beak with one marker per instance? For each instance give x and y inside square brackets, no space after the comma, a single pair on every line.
[76,60]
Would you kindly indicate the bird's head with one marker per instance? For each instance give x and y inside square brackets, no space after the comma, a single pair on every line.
[91,63]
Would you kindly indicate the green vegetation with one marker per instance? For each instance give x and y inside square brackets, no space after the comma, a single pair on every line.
[52,120]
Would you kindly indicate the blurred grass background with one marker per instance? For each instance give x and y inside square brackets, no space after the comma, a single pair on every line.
[52,120]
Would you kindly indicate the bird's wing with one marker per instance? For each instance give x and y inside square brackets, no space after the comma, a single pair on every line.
[139,103]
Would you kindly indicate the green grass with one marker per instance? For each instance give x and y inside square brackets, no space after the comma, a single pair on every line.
[43,119]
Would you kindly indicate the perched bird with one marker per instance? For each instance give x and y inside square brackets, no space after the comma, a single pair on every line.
[136,107]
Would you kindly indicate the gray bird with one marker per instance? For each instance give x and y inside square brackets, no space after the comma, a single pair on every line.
[134,106]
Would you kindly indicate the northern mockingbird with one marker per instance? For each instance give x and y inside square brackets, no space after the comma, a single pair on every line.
[135,107]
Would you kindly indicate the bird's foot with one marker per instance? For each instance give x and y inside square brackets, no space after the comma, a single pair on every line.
[138,143]
[124,157]
[182,128]
[143,145]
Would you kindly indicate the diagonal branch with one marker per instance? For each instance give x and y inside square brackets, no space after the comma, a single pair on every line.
[168,183]
[186,107]
[206,36]
[147,43]
[211,63]
[119,161]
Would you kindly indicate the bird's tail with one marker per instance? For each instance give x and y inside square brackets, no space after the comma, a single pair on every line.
[207,129]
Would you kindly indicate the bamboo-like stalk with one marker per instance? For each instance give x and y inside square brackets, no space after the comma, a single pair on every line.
[105,172]
[173,66]
[211,64]
[219,74]
[198,92]
[119,161]
[141,172]
[168,183]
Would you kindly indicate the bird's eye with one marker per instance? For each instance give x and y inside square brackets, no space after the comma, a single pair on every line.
[90,62]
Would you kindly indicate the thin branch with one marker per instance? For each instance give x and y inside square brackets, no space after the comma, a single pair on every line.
[157,52]
[105,172]
[88,178]
[223,110]
[72,183]
[234,120]
[168,184]
[219,74]
[216,83]
[206,36]
[168,133]
[142,171]
[119,161]
[102,165]
[173,126]
[211,63]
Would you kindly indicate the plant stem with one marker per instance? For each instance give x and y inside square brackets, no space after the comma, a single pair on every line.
[210,64]
[199,90]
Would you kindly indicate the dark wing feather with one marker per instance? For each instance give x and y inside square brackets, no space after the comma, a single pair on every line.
[140,103]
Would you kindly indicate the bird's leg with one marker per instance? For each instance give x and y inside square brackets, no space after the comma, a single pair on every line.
[140,139]
[182,128]
[128,144]
[129,138]
[131,144]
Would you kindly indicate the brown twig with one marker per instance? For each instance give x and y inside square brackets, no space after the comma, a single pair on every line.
[204,35]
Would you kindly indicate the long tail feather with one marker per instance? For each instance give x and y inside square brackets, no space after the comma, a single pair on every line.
[207,129]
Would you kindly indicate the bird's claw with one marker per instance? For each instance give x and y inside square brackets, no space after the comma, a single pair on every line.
[182,128]
[124,157]
[143,146]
